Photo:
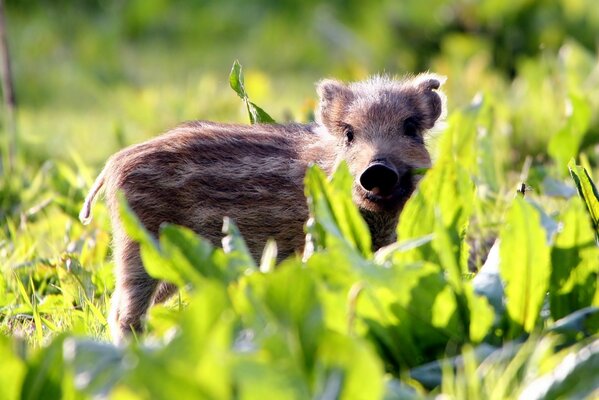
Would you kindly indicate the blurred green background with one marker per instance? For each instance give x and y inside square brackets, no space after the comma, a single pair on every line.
[93,76]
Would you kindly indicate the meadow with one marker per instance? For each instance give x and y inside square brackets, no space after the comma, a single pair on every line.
[511,188]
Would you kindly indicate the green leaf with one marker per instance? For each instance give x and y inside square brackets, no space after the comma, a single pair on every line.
[259,378]
[197,360]
[96,366]
[185,256]
[481,315]
[415,324]
[181,256]
[588,192]
[236,80]
[239,257]
[574,258]
[442,205]
[45,373]
[337,221]
[475,313]
[524,266]
[297,312]
[256,114]
[12,370]
[131,224]
[155,264]
[347,368]
[458,143]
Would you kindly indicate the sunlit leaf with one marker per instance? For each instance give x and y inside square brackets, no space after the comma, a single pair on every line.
[443,202]
[574,259]
[12,370]
[45,372]
[196,361]
[347,369]
[337,221]
[524,266]
[235,247]
[96,366]
[236,81]
[297,311]
[588,192]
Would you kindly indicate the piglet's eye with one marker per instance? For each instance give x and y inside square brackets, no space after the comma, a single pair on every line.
[348,131]
[410,128]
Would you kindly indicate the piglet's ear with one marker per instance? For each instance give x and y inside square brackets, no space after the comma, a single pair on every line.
[428,87]
[334,96]
[431,84]
[328,89]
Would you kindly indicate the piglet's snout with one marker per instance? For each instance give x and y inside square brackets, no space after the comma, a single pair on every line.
[380,178]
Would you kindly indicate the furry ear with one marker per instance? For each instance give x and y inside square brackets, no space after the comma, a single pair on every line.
[334,96]
[428,87]
[327,89]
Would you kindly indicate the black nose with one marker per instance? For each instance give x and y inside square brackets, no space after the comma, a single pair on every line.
[379,177]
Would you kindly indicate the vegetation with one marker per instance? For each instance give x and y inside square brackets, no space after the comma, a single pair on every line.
[515,161]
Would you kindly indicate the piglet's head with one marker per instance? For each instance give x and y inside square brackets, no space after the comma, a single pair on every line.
[380,126]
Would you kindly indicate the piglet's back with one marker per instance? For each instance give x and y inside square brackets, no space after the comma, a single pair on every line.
[201,172]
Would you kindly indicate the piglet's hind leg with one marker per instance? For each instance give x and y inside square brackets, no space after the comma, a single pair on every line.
[133,293]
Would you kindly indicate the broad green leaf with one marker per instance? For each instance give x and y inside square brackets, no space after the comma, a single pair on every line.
[96,367]
[154,262]
[180,256]
[525,265]
[259,378]
[442,203]
[412,317]
[481,315]
[588,192]
[337,221]
[574,258]
[290,296]
[458,142]
[206,325]
[197,360]
[185,255]
[45,372]
[256,114]
[347,368]
[12,370]
[131,224]
[239,257]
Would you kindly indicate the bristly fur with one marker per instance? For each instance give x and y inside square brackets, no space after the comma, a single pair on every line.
[200,172]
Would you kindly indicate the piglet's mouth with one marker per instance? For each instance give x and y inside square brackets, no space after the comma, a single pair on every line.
[377,200]
[399,193]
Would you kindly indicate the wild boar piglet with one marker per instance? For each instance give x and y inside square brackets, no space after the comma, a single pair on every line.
[200,172]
